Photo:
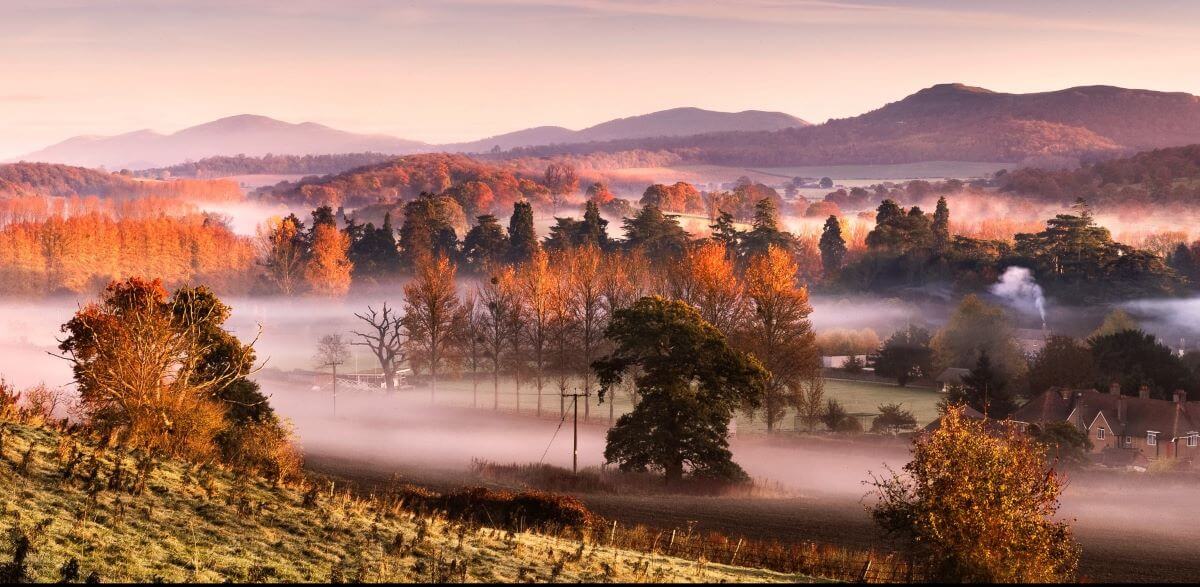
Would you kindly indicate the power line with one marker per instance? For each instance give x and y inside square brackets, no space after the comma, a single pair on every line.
[560,424]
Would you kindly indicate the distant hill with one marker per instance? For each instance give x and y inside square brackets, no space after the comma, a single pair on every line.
[66,181]
[951,122]
[245,134]
[666,123]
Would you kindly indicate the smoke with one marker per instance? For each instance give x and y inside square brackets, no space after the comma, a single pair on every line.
[1018,287]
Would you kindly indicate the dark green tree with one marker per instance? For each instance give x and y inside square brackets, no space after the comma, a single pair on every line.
[485,244]
[689,381]
[984,389]
[427,231]
[522,240]
[1065,444]
[658,234]
[373,250]
[765,231]
[906,355]
[1063,362]
[833,246]
[893,418]
[941,226]
[1134,358]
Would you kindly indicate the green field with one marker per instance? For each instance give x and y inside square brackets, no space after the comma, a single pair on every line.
[860,398]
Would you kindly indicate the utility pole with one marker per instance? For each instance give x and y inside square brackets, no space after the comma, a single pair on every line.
[575,442]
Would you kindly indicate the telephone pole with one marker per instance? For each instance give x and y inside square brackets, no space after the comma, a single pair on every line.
[575,442]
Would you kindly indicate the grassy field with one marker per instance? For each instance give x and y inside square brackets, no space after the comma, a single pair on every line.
[860,398]
[208,525]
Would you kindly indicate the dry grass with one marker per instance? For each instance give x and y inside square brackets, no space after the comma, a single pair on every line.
[203,524]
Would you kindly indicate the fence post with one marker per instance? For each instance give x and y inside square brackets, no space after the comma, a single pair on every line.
[735,551]
[612,535]
[862,577]
[671,543]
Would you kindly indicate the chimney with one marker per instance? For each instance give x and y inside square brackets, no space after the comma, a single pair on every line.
[1144,392]
[1114,388]
[1064,392]
[1180,397]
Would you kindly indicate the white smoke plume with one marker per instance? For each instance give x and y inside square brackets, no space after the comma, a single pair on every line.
[1022,291]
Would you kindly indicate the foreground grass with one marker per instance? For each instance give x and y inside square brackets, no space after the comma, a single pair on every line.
[208,525]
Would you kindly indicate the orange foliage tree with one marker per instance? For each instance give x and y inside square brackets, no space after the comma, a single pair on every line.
[328,269]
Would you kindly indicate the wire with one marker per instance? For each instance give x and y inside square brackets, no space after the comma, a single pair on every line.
[560,423]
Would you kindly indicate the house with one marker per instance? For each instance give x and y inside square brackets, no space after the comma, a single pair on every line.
[951,377]
[1123,429]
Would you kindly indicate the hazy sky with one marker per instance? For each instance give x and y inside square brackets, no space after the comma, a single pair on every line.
[457,70]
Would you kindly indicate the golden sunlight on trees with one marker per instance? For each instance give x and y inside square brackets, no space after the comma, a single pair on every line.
[777,330]
[977,504]
[431,316]
[706,279]
[141,361]
[328,268]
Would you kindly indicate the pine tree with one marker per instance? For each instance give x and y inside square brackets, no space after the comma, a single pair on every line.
[521,235]
[833,246]
[941,226]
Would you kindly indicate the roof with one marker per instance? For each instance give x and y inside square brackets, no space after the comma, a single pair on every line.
[1083,407]
[953,376]
[990,424]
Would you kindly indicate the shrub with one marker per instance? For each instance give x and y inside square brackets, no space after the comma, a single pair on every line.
[893,418]
[266,448]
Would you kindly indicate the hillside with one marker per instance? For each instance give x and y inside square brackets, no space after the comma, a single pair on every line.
[1159,176]
[56,180]
[199,524]
[952,122]
[666,123]
[244,134]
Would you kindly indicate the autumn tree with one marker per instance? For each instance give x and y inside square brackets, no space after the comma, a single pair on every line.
[499,303]
[282,251]
[328,268]
[584,282]
[690,381]
[151,368]
[976,327]
[431,315]
[599,194]
[978,505]
[707,280]
[535,281]
[561,179]
[384,335]
[777,330]
[430,229]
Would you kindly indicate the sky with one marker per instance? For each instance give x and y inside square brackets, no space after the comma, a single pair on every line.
[454,70]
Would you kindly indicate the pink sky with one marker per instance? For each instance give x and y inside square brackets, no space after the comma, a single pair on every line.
[448,71]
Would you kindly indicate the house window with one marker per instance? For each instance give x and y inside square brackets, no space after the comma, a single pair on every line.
[1192,440]
[1100,434]
[1151,439]
[1128,441]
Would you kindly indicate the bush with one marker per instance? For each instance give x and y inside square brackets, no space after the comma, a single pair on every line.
[266,448]
[837,419]
[892,419]
[854,365]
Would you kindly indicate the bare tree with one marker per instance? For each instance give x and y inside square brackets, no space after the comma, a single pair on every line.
[431,314]
[498,301]
[473,341]
[331,352]
[386,340]
[809,398]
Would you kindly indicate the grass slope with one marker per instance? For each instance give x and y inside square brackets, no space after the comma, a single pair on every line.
[208,525]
